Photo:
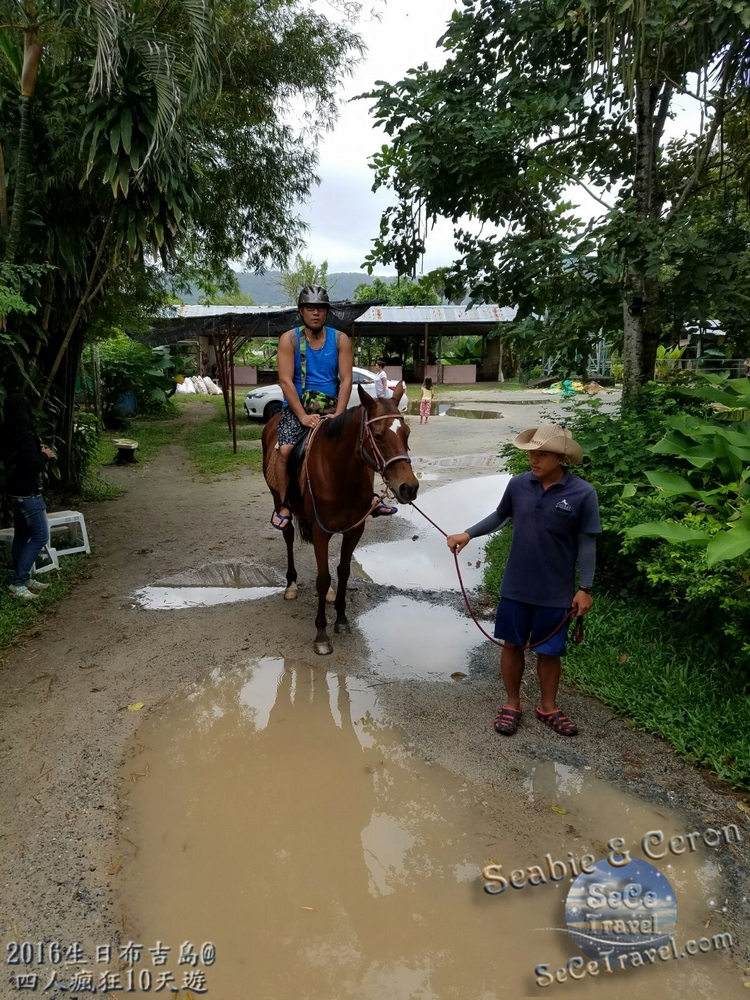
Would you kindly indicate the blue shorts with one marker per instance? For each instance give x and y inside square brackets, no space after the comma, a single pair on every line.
[520,623]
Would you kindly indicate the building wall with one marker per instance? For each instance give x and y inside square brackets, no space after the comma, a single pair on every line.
[245,375]
[458,374]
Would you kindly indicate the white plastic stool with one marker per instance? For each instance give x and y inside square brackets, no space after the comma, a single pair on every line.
[46,567]
[71,520]
[6,536]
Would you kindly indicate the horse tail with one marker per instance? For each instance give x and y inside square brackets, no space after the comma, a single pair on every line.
[305,528]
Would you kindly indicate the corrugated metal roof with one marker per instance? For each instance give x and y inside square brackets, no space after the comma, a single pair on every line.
[376,314]
[437,314]
[201,312]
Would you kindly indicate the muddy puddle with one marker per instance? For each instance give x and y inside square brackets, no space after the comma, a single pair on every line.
[278,815]
[208,585]
[421,640]
[476,461]
[424,562]
[451,410]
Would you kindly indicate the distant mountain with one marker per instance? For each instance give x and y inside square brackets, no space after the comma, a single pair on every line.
[266,289]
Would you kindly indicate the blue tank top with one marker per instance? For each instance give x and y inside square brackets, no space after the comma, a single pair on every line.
[322,366]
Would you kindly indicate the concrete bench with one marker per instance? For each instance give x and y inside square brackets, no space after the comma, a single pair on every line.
[126,450]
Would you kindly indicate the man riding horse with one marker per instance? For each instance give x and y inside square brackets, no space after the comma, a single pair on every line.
[315,373]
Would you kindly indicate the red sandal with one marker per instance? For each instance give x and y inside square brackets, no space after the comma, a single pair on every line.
[558,721]
[506,720]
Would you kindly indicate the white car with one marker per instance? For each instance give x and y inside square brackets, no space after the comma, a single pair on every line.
[266,400]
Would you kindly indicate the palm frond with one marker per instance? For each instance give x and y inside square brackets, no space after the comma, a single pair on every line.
[157,60]
[107,16]
[202,66]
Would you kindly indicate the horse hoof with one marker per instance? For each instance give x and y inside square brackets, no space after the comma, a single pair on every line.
[323,648]
[290,594]
[342,628]
[330,596]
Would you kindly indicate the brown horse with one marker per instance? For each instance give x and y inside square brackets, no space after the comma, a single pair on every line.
[338,487]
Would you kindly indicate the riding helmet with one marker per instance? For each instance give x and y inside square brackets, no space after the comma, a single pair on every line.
[313,295]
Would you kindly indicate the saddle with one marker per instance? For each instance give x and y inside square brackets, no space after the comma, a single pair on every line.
[297,466]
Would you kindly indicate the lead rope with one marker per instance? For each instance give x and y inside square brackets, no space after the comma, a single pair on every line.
[577,634]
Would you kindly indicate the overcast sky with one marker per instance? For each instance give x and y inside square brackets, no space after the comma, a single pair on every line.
[343,213]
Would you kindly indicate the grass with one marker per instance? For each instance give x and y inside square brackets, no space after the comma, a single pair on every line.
[209,445]
[151,433]
[639,663]
[19,618]
[510,385]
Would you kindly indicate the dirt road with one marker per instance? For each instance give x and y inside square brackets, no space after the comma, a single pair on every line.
[68,743]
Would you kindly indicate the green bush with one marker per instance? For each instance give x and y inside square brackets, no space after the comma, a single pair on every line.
[709,603]
[83,446]
[127,365]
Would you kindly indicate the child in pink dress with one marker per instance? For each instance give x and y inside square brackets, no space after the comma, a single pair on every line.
[426,397]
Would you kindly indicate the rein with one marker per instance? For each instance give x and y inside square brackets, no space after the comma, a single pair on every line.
[577,634]
[380,465]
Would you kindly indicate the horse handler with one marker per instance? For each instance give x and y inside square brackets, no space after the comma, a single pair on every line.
[555,519]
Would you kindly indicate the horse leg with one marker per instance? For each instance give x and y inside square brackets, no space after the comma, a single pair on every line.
[322,644]
[291,572]
[348,545]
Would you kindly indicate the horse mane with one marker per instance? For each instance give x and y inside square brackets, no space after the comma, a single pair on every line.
[334,427]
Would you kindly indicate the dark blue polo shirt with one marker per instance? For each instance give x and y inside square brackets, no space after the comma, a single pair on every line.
[546,525]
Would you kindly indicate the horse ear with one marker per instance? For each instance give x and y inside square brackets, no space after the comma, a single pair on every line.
[398,392]
[365,398]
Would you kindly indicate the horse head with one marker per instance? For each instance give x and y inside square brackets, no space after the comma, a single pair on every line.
[385,443]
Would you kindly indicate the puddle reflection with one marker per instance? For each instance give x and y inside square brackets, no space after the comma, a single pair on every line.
[420,640]
[426,563]
[451,410]
[209,585]
[282,819]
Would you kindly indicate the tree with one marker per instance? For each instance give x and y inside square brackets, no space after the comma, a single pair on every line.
[536,96]
[404,292]
[154,132]
[305,272]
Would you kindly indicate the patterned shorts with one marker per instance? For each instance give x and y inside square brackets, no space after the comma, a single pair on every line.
[424,407]
[290,428]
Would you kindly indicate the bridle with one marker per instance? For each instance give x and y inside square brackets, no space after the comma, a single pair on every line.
[376,461]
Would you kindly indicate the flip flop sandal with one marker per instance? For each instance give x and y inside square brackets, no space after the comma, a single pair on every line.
[383,509]
[558,721]
[283,518]
[506,721]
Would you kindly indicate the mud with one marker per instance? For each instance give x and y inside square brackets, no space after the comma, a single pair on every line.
[312,849]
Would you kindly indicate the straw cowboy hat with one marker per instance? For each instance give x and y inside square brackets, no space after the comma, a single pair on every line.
[551,437]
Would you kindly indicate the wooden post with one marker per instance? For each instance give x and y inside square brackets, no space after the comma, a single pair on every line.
[231,380]
[95,364]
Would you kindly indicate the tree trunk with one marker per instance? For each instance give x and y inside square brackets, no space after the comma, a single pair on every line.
[500,376]
[641,331]
[84,301]
[32,54]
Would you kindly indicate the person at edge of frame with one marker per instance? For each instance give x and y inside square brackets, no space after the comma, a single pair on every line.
[25,458]
[555,519]
[327,388]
